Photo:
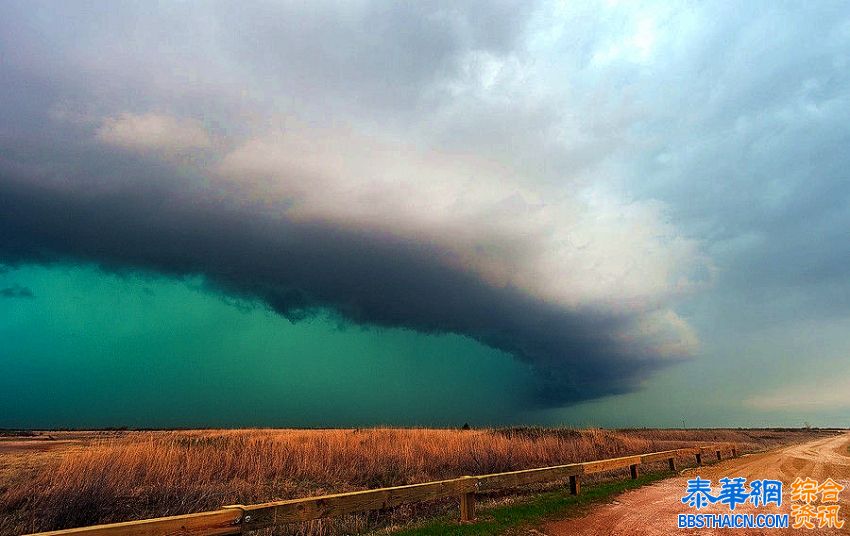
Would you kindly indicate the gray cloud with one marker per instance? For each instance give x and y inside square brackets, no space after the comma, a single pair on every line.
[752,157]
[371,55]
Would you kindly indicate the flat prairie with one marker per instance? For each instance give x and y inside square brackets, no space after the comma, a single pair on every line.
[59,479]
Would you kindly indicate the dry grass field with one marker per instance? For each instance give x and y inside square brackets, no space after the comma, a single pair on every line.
[63,479]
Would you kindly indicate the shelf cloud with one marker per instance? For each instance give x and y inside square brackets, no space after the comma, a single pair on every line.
[306,233]
[546,181]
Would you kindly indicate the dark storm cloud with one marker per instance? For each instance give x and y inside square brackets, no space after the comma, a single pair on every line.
[16,291]
[63,198]
[297,269]
[733,116]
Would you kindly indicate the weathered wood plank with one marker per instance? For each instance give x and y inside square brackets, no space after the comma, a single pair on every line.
[659,456]
[600,466]
[310,508]
[528,476]
[214,523]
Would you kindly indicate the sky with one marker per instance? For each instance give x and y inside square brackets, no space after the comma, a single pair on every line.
[424,214]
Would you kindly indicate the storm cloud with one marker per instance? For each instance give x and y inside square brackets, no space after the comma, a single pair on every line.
[299,269]
[550,180]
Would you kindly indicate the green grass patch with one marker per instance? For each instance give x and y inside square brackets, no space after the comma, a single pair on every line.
[531,511]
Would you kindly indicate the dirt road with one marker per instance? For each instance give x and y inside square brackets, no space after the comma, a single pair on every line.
[654,509]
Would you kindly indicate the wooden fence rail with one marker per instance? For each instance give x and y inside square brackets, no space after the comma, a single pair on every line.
[237,518]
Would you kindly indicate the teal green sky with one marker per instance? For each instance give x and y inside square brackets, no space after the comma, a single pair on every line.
[96,349]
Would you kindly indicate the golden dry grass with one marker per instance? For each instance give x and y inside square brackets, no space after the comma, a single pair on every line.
[135,475]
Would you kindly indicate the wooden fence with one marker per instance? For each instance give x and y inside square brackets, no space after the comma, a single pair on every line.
[237,518]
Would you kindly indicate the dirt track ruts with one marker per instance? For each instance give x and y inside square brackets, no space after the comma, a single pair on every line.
[653,510]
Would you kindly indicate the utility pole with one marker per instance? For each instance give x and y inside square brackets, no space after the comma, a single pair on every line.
[683,423]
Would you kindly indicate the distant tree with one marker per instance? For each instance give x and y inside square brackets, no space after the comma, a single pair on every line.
[465,426]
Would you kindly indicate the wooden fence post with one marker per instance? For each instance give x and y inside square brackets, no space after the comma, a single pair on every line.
[575,485]
[467,507]
[633,471]
[699,458]
[672,464]
[734,452]
[718,455]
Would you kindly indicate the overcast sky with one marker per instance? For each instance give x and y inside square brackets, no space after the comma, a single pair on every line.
[607,213]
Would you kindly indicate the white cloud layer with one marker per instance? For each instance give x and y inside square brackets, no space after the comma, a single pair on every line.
[153,131]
